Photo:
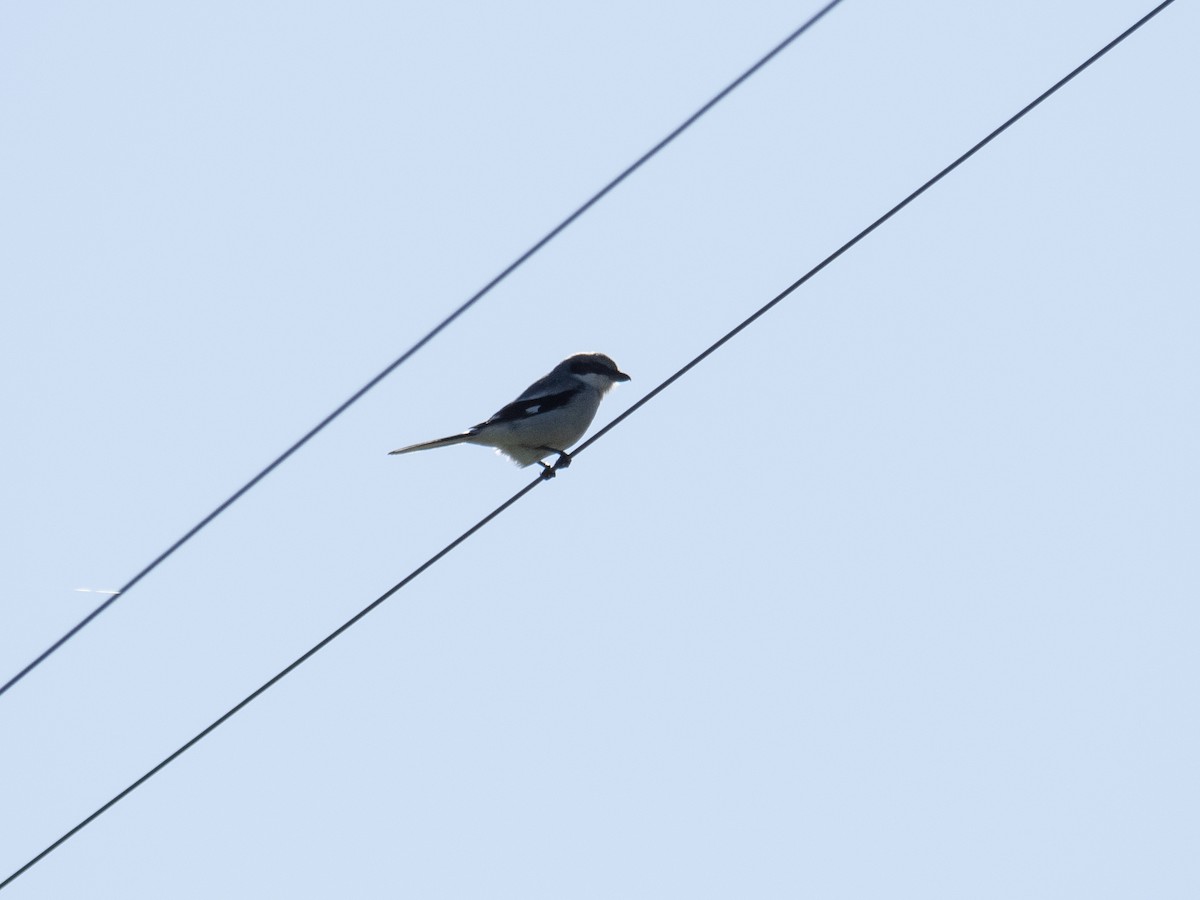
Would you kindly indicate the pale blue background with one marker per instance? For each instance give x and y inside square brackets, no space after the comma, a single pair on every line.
[895,596]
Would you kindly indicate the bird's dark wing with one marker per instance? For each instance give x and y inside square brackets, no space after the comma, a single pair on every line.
[532,406]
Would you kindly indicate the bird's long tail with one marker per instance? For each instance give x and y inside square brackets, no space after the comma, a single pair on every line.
[440,442]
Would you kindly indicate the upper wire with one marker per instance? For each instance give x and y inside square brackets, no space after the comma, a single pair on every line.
[471,301]
[597,436]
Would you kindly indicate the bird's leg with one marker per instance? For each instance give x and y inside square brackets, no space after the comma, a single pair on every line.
[564,460]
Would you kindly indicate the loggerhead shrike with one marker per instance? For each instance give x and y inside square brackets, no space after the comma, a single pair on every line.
[550,416]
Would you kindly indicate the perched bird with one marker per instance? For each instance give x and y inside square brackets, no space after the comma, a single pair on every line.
[549,417]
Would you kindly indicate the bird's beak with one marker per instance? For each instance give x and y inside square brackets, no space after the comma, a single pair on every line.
[620,376]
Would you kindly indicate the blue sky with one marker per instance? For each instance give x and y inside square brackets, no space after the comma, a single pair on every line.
[895,594]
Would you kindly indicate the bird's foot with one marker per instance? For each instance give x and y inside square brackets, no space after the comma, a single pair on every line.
[564,460]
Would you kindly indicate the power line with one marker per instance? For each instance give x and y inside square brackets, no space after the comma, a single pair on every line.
[599,434]
[874,225]
[474,298]
[233,710]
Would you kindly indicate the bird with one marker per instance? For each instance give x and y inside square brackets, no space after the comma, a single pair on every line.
[551,415]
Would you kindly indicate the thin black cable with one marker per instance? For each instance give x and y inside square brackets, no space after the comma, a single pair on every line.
[357,395]
[870,228]
[603,431]
[271,681]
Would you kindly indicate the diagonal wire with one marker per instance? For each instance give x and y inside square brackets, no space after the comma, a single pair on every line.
[357,395]
[778,298]
[233,710]
[599,434]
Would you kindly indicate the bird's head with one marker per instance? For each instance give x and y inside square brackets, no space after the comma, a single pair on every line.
[596,369]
